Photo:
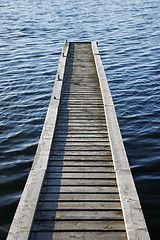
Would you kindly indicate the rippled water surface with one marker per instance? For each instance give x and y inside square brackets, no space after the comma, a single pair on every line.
[32,34]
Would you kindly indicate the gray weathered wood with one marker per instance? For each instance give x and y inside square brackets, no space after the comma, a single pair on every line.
[80,175]
[82,214]
[80,169]
[81,181]
[132,211]
[86,163]
[79,225]
[73,175]
[80,196]
[81,158]
[72,235]
[79,205]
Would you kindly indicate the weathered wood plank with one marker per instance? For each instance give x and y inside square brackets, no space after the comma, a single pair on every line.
[74,214]
[82,92]
[79,225]
[80,169]
[81,152]
[80,144]
[80,181]
[80,196]
[79,149]
[90,235]
[82,157]
[90,63]
[78,140]
[88,93]
[79,189]
[81,107]
[76,118]
[80,175]
[81,124]
[85,119]
[81,86]
[70,235]
[75,109]
[83,112]
[49,206]
[85,131]
[81,163]
[103,135]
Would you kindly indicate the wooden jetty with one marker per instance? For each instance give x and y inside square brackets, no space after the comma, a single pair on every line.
[80,185]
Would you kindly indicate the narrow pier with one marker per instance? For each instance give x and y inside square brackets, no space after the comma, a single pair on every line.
[80,185]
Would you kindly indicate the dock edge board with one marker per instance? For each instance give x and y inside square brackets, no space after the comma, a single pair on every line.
[23,218]
[133,216]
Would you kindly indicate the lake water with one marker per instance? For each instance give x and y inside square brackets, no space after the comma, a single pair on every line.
[32,34]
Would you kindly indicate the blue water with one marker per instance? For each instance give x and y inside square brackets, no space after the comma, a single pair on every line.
[32,34]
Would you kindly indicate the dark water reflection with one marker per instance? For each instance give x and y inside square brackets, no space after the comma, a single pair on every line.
[31,37]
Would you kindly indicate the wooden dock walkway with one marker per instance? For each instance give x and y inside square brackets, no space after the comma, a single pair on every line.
[80,185]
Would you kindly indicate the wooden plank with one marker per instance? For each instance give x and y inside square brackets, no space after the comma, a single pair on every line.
[80,181]
[90,235]
[80,169]
[80,196]
[81,158]
[80,107]
[42,235]
[93,110]
[86,110]
[80,175]
[86,118]
[81,124]
[79,149]
[63,119]
[78,225]
[83,63]
[80,136]
[81,153]
[79,189]
[86,114]
[86,97]
[81,112]
[49,206]
[80,97]
[81,89]
[82,92]
[80,144]
[81,163]
[76,140]
[79,131]
[81,128]
[80,85]
[74,214]
[70,235]
[75,94]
